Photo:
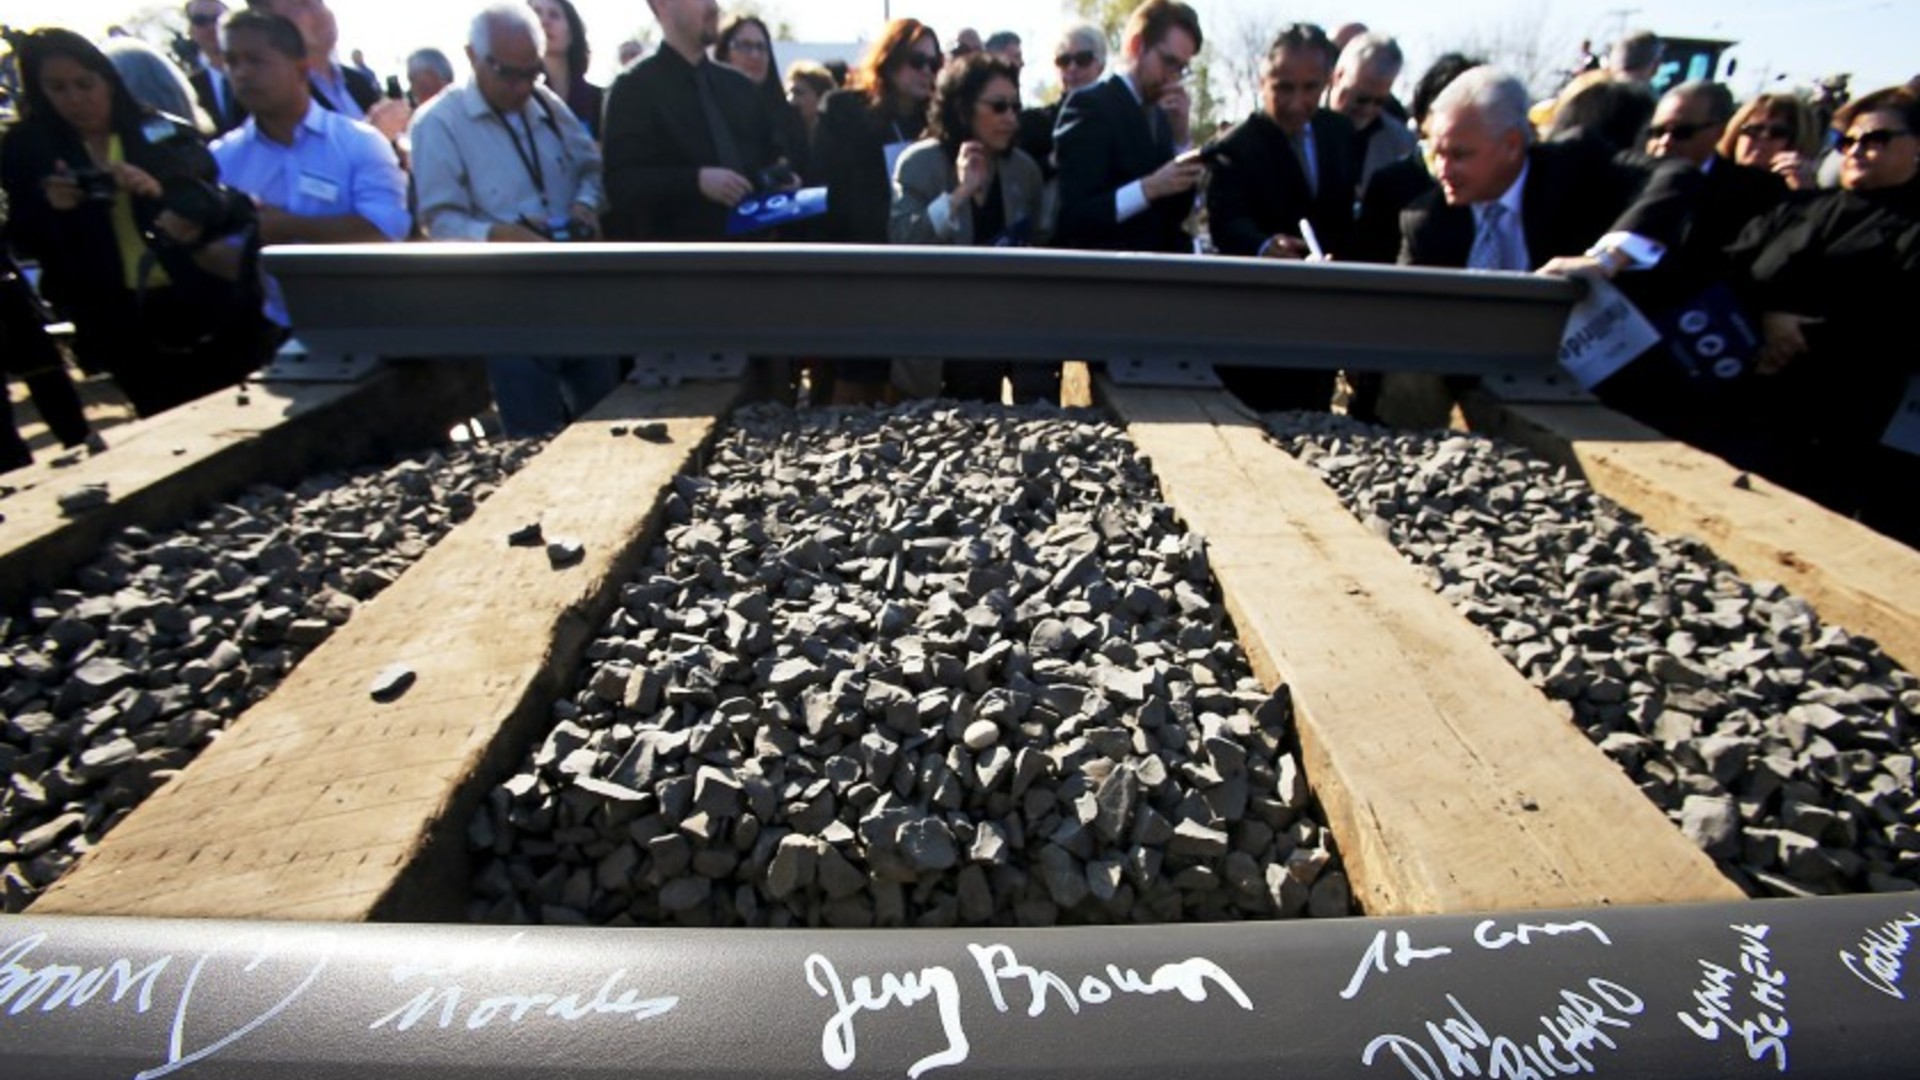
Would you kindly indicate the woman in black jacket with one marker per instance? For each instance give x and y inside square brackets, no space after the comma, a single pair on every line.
[1834,277]
[863,131]
[86,169]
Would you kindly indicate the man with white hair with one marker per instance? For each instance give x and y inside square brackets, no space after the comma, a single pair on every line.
[1507,202]
[1361,90]
[499,157]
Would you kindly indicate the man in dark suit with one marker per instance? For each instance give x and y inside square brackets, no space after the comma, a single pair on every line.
[1121,187]
[1291,161]
[685,137]
[1508,203]
[1288,162]
[1504,202]
[1687,126]
[211,87]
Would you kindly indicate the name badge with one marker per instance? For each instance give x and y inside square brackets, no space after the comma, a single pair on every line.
[757,212]
[1604,332]
[318,188]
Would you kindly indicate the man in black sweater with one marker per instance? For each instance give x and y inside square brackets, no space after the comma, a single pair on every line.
[685,137]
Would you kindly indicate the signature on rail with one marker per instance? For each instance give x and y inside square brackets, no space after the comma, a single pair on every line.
[52,987]
[441,1002]
[1882,953]
[1194,979]
[1715,1008]
[1487,934]
[1582,1025]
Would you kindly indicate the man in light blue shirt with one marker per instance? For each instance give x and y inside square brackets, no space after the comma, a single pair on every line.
[317,177]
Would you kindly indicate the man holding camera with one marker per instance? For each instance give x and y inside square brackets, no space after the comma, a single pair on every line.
[499,157]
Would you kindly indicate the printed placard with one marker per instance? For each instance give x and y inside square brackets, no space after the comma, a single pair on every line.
[1604,332]
[757,212]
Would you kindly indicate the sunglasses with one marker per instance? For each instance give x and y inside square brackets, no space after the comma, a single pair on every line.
[1172,63]
[1767,131]
[922,62]
[515,74]
[203,19]
[1367,101]
[1083,58]
[1869,140]
[1678,132]
[1001,106]
[749,47]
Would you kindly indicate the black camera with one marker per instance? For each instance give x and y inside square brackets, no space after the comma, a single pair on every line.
[216,209]
[776,177]
[96,185]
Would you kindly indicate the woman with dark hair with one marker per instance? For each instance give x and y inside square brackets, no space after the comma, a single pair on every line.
[567,59]
[86,169]
[968,184]
[863,131]
[746,45]
[1833,277]
[1774,132]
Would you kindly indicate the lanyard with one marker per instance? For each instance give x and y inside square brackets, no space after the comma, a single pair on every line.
[529,155]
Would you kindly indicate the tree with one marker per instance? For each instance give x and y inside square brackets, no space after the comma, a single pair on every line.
[159,25]
[1109,15]
[1528,45]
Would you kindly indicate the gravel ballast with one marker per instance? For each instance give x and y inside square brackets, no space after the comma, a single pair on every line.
[113,684]
[1785,748]
[942,665]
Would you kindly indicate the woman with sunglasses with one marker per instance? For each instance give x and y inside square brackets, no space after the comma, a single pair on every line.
[566,60]
[1774,132]
[968,185]
[1081,58]
[863,131]
[85,170]
[1834,276]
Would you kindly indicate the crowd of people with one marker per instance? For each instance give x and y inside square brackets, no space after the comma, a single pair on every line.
[1768,243]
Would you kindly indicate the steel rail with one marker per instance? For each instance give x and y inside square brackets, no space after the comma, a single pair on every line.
[447,300]
[1811,987]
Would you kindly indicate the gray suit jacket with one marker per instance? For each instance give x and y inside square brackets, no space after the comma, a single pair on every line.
[922,180]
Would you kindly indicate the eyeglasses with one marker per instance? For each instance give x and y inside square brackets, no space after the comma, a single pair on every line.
[749,47]
[204,18]
[1172,63]
[1083,58]
[923,62]
[1869,140]
[1367,101]
[1677,132]
[510,73]
[1766,131]
[1001,106]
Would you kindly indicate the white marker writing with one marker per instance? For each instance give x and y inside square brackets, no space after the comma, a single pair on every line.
[837,1042]
[1523,933]
[1189,978]
[518,1006]
[1882,953]
[1404,954]
[1766,1033]
[1568,1035]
